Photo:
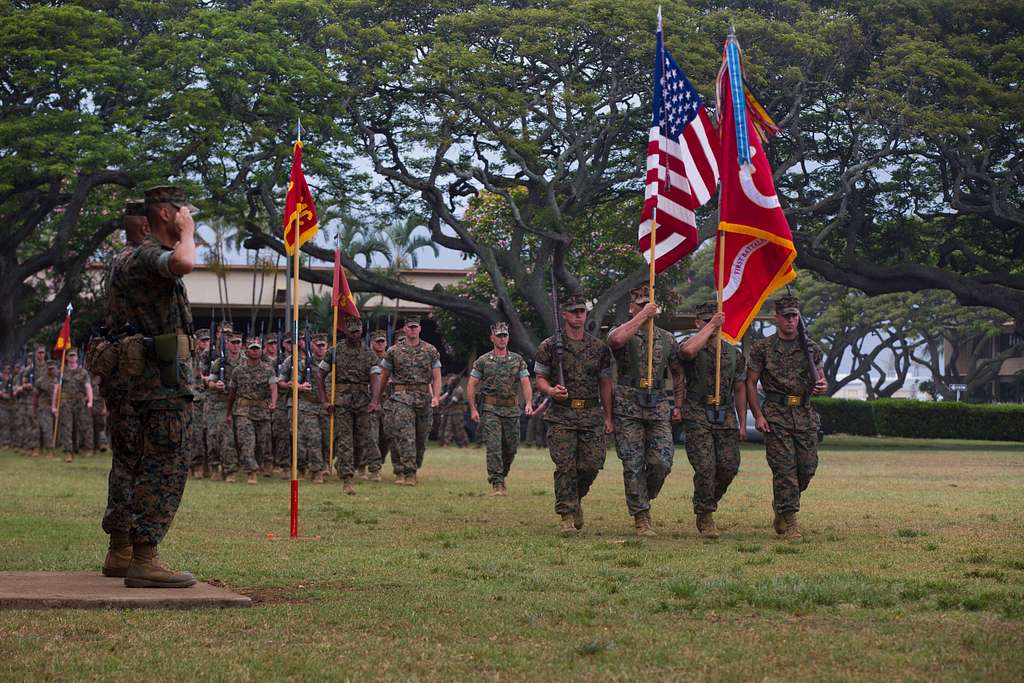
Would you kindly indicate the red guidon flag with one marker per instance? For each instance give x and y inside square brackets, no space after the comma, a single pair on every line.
[758,245]
[341,295]
[682,172]
[64,338]
[300,222]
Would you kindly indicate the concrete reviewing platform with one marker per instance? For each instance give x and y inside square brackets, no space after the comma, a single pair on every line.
[92,590]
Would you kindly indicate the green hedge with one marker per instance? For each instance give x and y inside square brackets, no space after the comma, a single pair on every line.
[845,416]
[921,419]
[948,420]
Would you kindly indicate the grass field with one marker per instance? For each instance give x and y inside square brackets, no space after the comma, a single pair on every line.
[912,568]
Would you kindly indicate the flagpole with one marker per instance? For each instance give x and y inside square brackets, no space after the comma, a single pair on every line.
[295,385]
[718,337]
[650,295]
[60,396]
[334,382]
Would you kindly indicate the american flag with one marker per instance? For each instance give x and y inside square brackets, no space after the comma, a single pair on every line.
[682,170]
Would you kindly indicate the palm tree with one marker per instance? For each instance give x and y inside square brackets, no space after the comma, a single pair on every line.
[403,245]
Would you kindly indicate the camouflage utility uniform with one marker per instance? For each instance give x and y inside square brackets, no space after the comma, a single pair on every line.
[643,433]
[311,458]
[73,411]
[712,447]
[151,479]
[576,439]
[221,448]
[792,444]
[200,370]
[453,419]
[408,411]
[251,416]
[100,435]
[44,416]
[353,366]
[498,404]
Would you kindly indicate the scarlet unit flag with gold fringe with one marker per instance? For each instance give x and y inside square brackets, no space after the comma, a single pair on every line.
[341,295]
[64,338]
[300,222]
[758,244]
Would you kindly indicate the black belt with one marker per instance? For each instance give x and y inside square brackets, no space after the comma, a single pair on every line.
[787,400]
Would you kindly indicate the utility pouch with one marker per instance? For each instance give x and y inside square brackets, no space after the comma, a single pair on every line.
[132,355]
[716,416]
[647,399]
[102,358]
[165,349]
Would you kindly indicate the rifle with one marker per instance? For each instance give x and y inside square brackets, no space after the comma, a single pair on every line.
[309,356]
[805,346]
[280,349]
[223,353]
[559,341]
[448,397]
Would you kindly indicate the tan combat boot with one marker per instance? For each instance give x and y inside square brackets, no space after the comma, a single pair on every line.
[250,479]
[361,473]
[779,524]
[347,488]
[267,469]
[503,491]
[230,479]
[792,528]
[318,478]
[643,524]
[215,473]
[281,473]
[197,472]
[495,489]
[706,525]
[67,457]
[567,525]
[119,555]
[410,479]
[375,476]
[147,571]
[577,518]
[400,479]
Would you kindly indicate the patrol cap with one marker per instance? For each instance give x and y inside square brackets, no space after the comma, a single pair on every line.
[353,324]
[226,327]
[574,302]
[641,296]
[234,337]
[412,319]
[255,343]
[269,341]
[53,363]
[787,304]
[379,335]
[705,310]
[203,335]
[319,337]
[499,328]
[169,194]
[135,207]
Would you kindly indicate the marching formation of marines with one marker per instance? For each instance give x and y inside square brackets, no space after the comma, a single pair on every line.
[215,403]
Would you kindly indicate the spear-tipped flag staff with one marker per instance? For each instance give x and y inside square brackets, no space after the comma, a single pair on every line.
[682,171]
[62,345]
[300,225]
[758,258]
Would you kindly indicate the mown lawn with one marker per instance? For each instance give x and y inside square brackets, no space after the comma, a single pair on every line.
[912,568]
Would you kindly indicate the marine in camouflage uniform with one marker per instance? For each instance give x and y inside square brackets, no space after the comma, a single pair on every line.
[75,401]
[713,431]
[147,291]
[580,414]
[252,395]
[413,366]
[123,419]
[200,370]
[787,420]
[319,355]
[311,456]
[493,380]
[7,407]
[32,437]
[643,413]
[280,421]
[377,446]
[100,435]
[220,438]
[453,415]
[354,367]
[44,388]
